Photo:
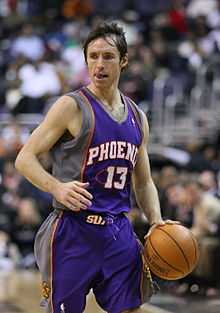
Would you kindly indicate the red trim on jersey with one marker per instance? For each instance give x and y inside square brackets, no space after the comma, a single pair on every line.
[51,258]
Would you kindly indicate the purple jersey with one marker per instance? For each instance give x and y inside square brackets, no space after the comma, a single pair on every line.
[96,248]
[111,156]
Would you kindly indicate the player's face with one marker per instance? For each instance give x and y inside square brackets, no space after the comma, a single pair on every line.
[104,64]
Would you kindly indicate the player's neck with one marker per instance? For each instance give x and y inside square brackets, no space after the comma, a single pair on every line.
[110,97]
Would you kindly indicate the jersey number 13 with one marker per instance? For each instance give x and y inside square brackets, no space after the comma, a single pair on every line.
[119,181]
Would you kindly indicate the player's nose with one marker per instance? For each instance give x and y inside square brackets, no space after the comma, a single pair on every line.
[100,63]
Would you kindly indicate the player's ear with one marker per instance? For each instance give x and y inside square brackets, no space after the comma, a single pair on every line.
[124,62]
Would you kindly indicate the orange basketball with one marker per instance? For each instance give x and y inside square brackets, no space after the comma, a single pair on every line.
[171,251]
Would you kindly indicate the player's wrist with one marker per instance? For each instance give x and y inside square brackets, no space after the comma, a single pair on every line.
[54,187]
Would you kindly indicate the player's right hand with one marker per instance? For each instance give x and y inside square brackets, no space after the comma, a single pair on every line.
[73,195]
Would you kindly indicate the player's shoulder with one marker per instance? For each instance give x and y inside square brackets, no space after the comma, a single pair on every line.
[66,103]
[61,111]
[78,99]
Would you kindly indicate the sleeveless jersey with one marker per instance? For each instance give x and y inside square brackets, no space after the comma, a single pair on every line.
[104,154]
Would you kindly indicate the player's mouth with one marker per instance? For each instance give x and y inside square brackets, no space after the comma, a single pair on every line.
[100,76]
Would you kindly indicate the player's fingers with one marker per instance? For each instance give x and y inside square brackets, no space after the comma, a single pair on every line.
[154,225]
[75,205]
[148,234]
[82,191]
[171,222]
[72,206]
[83,185]
[162,223]
[150,231]
[80,198]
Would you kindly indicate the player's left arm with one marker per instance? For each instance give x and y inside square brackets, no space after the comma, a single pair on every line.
[143,185]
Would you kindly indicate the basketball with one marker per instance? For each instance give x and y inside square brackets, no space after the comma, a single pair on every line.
[171,251]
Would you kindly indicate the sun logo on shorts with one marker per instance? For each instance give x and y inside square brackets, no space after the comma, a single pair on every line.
[62,308]
[45,290]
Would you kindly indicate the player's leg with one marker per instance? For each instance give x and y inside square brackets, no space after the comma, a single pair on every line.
[75,263]
[68,264]
[120,288]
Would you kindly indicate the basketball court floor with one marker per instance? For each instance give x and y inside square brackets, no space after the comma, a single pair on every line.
[20,293]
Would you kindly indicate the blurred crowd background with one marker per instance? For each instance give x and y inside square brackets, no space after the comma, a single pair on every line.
[173,75]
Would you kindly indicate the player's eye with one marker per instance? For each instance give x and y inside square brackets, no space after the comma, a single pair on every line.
[93,56]
[108,56]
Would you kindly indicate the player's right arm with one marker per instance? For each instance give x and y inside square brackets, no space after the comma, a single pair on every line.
[63,115]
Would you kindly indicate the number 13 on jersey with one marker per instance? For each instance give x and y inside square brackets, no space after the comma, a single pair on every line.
[119,181]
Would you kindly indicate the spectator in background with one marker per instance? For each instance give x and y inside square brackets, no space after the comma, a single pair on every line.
[72,56]
[13,136]
[206,208]
[10,181]
[177,206]
[177,18]
[39,80]
[77,8]
[9,254]
[197,46]
[109,8]
[200,7]
[24,229]
[28,44]
[201,158]
[213,18]
[147,8]
[12,82]
[167,177]
[206,228]
[208,182]
[135,82]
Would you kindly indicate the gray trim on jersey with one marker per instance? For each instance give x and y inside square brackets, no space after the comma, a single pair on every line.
[107,110]
[68,156]
[42,243]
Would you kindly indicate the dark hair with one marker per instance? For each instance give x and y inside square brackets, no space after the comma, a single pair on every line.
[107,30]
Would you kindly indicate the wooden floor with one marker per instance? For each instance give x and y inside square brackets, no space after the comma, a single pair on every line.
[20,292]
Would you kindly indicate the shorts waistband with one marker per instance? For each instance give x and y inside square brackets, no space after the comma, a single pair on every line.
[96,218]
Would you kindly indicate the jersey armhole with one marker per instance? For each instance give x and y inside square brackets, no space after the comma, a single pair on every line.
[138,113]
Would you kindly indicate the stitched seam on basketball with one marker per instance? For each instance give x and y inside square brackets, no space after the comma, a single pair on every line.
[187,262]
[195,245]
[165,260]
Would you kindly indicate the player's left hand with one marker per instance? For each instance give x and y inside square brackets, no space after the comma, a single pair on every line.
[159,223]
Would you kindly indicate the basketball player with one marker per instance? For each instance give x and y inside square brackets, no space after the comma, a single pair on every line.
[97,137]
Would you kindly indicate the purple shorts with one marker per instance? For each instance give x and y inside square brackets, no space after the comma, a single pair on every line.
[91,252]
